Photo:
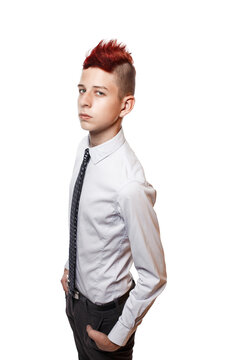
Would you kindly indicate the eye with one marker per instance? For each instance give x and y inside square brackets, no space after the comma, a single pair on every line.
[100,93]
[81,91]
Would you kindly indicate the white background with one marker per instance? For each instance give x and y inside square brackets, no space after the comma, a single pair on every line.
[184,130]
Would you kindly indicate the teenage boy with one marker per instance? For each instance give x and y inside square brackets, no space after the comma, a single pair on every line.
[116,223]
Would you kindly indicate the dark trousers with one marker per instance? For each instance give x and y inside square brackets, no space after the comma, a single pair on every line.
[80,313]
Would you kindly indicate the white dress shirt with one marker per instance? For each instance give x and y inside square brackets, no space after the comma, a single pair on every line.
[117,226]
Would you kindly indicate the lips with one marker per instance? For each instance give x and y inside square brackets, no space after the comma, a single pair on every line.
[84,116]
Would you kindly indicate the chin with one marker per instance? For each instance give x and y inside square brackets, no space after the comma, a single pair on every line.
[85,125]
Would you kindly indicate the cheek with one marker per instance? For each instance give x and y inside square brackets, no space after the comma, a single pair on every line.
[111,106]
[106,109]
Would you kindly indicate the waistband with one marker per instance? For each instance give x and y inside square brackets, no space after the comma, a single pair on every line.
[107,306]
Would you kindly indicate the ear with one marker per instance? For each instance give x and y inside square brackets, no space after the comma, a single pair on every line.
[127,105]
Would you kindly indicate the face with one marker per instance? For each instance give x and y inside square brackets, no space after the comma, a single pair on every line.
[99,105]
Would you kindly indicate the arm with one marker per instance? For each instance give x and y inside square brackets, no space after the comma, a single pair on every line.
[67,265]
[136,201]
[64,279]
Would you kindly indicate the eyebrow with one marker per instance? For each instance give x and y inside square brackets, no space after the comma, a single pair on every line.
[96,86]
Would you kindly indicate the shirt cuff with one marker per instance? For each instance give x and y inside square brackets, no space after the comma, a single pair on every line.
[120,334]
[66,265]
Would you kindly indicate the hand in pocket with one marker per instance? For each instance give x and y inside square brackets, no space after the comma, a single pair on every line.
[101,340]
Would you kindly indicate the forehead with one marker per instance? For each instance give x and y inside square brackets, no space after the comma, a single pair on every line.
[94,76]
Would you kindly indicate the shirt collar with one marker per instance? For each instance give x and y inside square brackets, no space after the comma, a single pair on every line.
[100,152]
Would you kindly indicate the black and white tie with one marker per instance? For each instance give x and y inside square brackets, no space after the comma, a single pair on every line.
[74,220]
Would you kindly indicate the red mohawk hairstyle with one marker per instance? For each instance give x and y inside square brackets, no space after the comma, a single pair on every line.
[107,56]
[114,58]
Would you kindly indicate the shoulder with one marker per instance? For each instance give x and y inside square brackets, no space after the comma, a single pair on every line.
[131,165]
[134,180]
[137,192]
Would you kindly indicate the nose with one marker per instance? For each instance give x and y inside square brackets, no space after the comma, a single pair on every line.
[85,100]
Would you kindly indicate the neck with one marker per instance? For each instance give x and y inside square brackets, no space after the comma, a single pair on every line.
[97,138]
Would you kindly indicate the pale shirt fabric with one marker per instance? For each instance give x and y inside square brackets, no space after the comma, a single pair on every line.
[117,226]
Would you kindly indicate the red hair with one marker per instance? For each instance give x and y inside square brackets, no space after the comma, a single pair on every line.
[107,56]
[113,57]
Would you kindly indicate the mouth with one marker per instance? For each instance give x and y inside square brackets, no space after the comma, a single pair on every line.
[84,116]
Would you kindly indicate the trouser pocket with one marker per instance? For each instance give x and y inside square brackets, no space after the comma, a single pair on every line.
[95,320]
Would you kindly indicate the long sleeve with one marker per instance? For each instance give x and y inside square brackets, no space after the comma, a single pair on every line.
[70,197]
[136,200]
[66,265]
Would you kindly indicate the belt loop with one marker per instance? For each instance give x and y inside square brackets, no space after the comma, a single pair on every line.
[117,304]
[85,303]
